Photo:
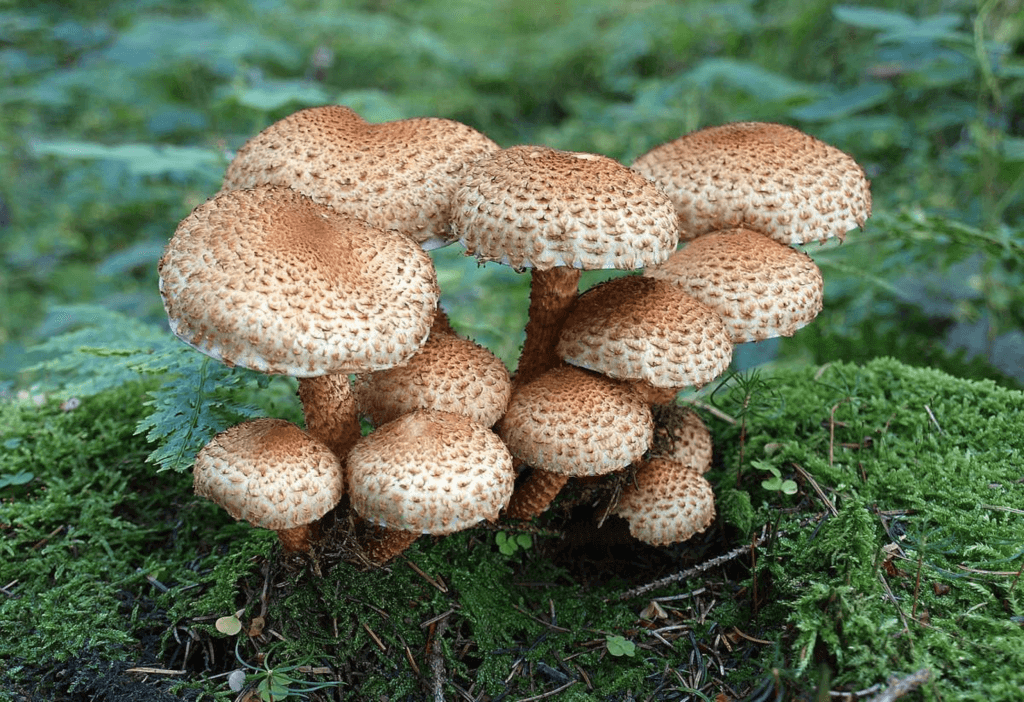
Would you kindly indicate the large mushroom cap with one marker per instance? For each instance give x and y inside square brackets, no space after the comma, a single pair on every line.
[766,177]
[448,373]
[270,280]
[761,288]
[537,207]
[429,472]
[668,503]
[269,473]
[641,329]
[396,175]
[571,422]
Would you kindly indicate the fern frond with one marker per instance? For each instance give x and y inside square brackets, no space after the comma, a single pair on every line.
[197,399]
[193,405]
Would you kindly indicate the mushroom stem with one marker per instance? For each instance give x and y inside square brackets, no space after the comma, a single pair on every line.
[536,492]
[297,539]
[552,294]
[330,410]
[381,544]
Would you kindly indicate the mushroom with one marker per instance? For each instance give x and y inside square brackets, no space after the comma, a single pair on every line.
[766,177]
[427,472]
[681,436]
[273,475]
[395,175]
[568,422]
[667,503]
[761,289]
[645,331]
[269,280]
[558,212]
[447,373]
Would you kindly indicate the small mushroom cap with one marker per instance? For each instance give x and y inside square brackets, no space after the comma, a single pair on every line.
[575,423]
[269,473]
[430,472]
[396,175]
[668,503]
[448,373]
[766,177]
[270,280]
[636,328]
[762,289]
[681,436]
[533,206]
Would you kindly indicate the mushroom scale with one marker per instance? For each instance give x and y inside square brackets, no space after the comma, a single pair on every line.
[668,503]
[641,329]
[762,289]
[429,472]
[271,474]
[395,175]
[267,279]
[767,177]
[537,207]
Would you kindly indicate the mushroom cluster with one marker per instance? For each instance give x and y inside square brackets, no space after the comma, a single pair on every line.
[311,262]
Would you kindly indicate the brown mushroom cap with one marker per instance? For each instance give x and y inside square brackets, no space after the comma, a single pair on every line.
[448,373]
[766,177]
[669,503]
[270,280]
[637,328]
[575,423]
[396,175]
[269,473]
[429,472]
[761,288]
[681,436]
[537,207]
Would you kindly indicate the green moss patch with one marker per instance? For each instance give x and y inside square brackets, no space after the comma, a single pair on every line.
[900,553]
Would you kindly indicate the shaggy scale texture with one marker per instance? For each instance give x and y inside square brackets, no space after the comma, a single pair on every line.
[396,175]
[766,177]
[638,328]
[668,503]
[761,289]
[270,280]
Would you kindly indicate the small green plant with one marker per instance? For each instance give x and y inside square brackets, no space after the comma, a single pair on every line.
[510,544]
[620,645]
[776,482]
[276,683]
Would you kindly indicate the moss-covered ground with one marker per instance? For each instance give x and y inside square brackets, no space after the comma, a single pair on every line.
[896,562]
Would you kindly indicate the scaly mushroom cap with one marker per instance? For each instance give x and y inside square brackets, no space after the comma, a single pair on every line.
[575,423]
[270,280]
[641,329]
[396,175]
[269,473]
[448,373]
[766,177]
[430,472]
[533,206]
[761,288]
[668,503]
[680,436]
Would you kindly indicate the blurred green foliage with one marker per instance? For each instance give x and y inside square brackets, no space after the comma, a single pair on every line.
[119,118]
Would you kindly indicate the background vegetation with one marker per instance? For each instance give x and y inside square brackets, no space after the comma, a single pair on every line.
[117,119]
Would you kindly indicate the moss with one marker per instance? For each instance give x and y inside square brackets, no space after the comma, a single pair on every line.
[112,561]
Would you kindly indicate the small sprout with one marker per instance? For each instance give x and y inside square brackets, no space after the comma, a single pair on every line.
[620,645]
[15,479]
[509,544]
[775,483]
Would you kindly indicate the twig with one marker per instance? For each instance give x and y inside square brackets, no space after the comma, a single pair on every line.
[550,693]
[901,686]
[433,581]
[155,671]
[934,420]
[817,489]
[688,573]
[710,409]
[437,659]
